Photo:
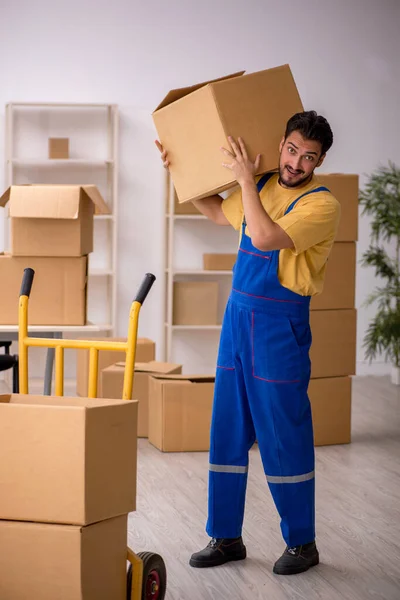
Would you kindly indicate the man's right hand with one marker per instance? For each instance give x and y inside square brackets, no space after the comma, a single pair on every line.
[164,158]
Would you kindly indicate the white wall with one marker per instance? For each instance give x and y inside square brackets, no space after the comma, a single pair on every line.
[343,54]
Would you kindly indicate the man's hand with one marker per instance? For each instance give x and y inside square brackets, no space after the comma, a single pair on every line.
[164,158]
[242,167]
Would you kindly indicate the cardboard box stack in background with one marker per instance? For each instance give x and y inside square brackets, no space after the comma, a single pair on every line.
[51,232]
[333,323]
[68,484]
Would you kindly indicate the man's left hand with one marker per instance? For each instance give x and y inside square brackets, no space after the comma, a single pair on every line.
[243,168]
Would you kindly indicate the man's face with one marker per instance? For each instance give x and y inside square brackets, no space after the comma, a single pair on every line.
[298,159]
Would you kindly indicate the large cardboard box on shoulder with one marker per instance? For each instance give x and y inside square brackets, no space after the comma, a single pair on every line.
[112,381]
[145,352]
[58,294]
[180,409]
[194,122]
[340,279]
[330,399]
[67,460]
[45,562]
[52,220]
[333,349]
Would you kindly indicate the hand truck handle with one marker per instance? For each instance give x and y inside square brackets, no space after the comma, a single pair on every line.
[145,287]
[27,281]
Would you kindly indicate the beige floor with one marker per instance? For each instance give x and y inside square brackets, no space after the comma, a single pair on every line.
[358,516]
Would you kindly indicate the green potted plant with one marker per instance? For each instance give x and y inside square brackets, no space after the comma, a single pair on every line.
[381,200]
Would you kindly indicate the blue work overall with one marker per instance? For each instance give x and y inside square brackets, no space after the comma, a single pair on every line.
[263,372]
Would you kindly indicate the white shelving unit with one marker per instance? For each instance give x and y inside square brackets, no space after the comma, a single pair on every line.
[175,224]
[93,133]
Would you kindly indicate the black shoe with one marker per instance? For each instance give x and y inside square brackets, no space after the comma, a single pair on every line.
[297,559]
[218,552]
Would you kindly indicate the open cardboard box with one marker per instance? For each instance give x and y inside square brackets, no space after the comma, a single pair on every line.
[112,381]
[52,220]
[180,409]
[67,460]
[194,122]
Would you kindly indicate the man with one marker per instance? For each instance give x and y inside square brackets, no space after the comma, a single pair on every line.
[287,224]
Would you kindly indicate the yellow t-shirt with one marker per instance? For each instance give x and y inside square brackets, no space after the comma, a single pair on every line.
[312,225]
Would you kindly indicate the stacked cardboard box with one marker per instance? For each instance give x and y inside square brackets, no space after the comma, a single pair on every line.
[68,481]
[51,232]
[333,324]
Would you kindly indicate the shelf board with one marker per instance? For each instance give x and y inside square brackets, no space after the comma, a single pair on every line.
[100,272]
[59,162]
[187,217]
[60,105]
[194,327]
[104,217]
[197,272]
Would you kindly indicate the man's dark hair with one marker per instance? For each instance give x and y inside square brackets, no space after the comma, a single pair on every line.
[312,127]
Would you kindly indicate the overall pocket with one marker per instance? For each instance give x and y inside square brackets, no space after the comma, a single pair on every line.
[280,348]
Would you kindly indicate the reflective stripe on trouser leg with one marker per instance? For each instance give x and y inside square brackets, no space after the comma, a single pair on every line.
[232,435]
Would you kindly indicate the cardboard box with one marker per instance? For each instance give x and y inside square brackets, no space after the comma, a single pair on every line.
[194,122]
[345,189]
[67,460]
[188,208]
[195,303]
[219,262]
[180,409]
[52,220]
[58,294]
[331,410]
[145,352]
[333,350]
[340,279]
[63,562]
[58,148]
[113,382]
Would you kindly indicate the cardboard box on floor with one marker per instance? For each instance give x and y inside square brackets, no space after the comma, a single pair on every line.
[67,460]
[52,220]
[340,280]
[145,352]
[345,189]
[180,412]
[194,122]
[58,294]
[333,349]
[330,399]
[195,303]
[45,562]
[112,381]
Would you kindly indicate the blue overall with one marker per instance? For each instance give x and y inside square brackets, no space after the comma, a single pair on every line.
[263,372]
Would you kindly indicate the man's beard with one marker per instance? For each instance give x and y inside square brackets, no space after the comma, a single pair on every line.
[292,184]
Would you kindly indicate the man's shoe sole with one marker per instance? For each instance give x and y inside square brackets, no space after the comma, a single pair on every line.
[200,564]
[300,569]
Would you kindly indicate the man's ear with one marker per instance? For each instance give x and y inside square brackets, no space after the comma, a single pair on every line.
[321,160]
[281,144]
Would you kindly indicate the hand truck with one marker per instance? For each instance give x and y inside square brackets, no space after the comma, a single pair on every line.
[146,576]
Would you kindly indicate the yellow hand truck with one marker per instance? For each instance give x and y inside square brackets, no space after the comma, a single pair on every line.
[146,575]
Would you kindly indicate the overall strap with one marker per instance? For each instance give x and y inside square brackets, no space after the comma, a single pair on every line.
[318,189]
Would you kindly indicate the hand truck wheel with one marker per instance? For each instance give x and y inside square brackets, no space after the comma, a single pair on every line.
[154,577]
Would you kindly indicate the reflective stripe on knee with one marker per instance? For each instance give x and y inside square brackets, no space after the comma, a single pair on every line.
[290,478]
[228,469]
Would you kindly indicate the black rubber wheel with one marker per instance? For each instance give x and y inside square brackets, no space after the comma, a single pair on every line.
[154,583]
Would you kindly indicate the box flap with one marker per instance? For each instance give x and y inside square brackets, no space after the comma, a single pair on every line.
[176,94]
[58,402]
[100,206]
[50,201]
[153,366]
[186,378]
